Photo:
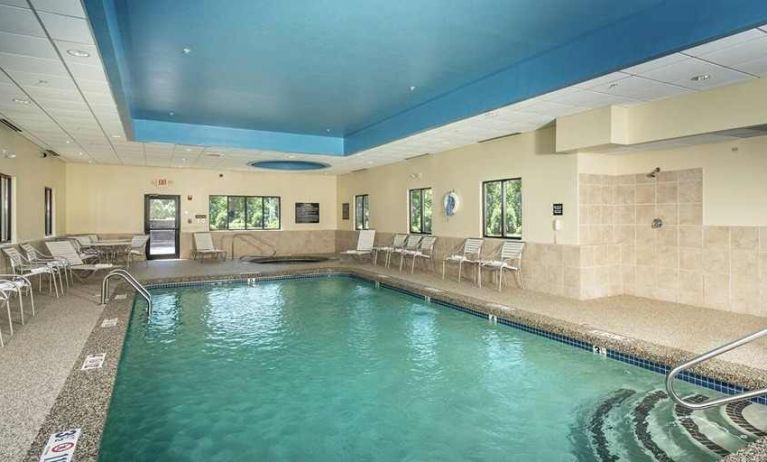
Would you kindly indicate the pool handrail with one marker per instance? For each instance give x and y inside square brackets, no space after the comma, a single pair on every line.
[705,357]
[253,239]
[132,281]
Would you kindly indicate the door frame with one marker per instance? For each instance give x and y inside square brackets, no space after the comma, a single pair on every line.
[177,229]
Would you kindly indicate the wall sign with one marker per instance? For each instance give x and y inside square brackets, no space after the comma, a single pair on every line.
[345,211]
[558,209]
[61,446]
[93,362]
[307,212]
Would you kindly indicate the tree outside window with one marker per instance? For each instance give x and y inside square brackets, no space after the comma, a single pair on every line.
[420,210]
[502,208]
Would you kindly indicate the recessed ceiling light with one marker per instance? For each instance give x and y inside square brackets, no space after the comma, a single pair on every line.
[78,53]
[700,78]
[42,82]
[186,50]
[68,141]
[20,101]
[291,157]
[8,154]
[79,153]
[612,85]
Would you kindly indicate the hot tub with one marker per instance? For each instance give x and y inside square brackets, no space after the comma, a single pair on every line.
[285,259]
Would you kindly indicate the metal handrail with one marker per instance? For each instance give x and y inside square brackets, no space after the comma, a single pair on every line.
[705,357]
[140,289]
[251,238]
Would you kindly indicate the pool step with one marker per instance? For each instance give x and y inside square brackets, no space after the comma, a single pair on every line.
[626,425]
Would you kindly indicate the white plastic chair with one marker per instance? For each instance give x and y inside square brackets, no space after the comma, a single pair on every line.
[11,284]
[203,246]
[66,250]
[4,298]
[397,243]
[469,254]
[509,257]
[36,256]
[425,252]
[138,248]
[23,267]
[364,244]
[411,245]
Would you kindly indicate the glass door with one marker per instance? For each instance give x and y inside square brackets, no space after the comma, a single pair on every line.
[162,223]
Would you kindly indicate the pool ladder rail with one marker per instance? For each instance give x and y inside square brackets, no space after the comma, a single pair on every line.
[140,289]
[251,239]
[673,373]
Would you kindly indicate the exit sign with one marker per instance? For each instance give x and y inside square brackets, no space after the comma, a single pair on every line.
[558,209]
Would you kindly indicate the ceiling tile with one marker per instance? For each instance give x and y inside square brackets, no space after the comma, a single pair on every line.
[26,79]
[724,43]
[20,21]
[682,72]
[655,64]
[28,64]
[26,45]
[19,3]
[65,7]
[88,72]
[641,89]
[740,53]
[66,28]
[755,67]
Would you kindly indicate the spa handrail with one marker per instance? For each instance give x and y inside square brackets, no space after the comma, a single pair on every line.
[253,239]
[705,357]
[140,289]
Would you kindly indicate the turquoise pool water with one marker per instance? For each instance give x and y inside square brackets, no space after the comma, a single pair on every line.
[333,369]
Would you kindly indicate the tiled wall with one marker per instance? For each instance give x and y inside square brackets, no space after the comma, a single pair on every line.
[719,267]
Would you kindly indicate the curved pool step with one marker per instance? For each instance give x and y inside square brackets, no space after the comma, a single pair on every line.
[642,426]
[597,424]
[734,412]
[684,416]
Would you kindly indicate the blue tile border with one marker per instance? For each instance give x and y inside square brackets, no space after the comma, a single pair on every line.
[696,379]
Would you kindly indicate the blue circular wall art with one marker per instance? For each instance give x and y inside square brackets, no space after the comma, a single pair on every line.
[450,203]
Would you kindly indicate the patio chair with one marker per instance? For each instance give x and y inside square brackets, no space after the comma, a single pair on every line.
[11,284]
[36,256]
[5,299]
[203,246]
[66,250]
[138,248]
[85,254]
[425,251]
[508,257]
[411,245]
[23,267]
[397,243]
[364,244]
[468,253]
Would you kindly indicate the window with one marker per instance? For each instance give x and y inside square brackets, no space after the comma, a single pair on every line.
[5,208]
[361,212]
[244,212]
[502,208]
[420,211]
[48,208]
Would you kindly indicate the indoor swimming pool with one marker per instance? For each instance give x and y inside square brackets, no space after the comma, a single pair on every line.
[335,368]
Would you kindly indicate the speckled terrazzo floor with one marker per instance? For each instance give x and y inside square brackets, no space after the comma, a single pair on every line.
[667,324]
[37,360]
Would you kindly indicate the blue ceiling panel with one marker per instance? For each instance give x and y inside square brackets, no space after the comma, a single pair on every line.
[339,76]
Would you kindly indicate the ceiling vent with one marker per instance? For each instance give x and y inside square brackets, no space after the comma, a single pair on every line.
[499,137]
[50,153]
[8,124]
[746,132]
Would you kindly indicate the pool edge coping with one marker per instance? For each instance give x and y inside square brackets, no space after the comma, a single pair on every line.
[83,402]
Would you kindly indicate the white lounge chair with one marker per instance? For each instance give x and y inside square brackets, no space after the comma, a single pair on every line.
[66,250]
[364,244]
[425,251]
[14,284]
[36,256]
[203,247]
[509,257]
[23,267]
[469,253]
[397,243]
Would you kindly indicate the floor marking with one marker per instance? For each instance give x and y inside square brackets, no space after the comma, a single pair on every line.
[602,333]
[112,322]
[432,289]
[61,446]
[121,297]
[502,307]
[93,362]
[599,350]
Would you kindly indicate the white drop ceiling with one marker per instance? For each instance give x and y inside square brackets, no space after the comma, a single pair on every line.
[63,102]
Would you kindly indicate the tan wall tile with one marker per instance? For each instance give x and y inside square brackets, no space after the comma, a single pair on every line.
[744,237]
[744,263]
[624,194]
[690,259]
[645,276]
[625,234]
[716,237]
[690,192]
[763,238]
[693,174]
[691,236]
[667,175]
[667,257]
[716,261]
[763,267]
[645,214]
[690,214]
[628,255]
[668,236]
[645,255]
[666,193]
[625,215]
[625,179]
[667,278]
[645,193]
[716,291]
[690,287]
[745,295]
[668,213]
[643,178]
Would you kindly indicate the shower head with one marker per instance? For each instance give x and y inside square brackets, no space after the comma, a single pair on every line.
[654,173]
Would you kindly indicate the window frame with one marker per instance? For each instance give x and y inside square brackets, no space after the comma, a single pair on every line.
[410,210]
[6,208]
[48,207]
[504,234]
[245,202]
[365,206]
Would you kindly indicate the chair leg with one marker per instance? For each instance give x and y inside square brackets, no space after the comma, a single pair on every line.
[8,310]
[443,269]
[21,306]
[460,268]
[412,266]
[31,298]
[500,279]
[479,276]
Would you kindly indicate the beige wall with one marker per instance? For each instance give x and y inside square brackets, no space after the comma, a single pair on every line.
[547,178]
[110,199]
[734,176]
[31,174]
